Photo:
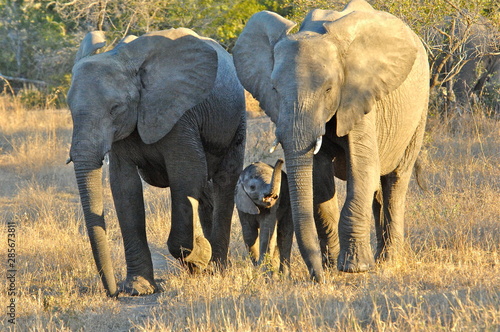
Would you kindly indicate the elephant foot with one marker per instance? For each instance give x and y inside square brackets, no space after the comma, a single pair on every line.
[317,276]
[138,285]
[387,254]
[284,273]
[198,259]
[330,257]
[355,259]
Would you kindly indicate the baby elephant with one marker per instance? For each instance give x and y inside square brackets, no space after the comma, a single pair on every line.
[263,204]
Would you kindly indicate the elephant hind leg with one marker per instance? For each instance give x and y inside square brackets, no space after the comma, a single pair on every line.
[187,170]
[206,210]
[390,225]
[224,182]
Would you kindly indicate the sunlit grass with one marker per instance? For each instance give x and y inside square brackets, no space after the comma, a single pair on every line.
[448,277]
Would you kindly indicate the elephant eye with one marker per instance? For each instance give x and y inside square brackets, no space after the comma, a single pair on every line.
[114,109]
[252,187]
[328,90]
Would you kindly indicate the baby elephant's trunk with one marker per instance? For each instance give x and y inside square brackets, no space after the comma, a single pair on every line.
[275,180]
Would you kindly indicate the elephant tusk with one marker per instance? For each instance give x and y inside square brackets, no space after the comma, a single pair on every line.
[318,144]
[106,158]
[274,146]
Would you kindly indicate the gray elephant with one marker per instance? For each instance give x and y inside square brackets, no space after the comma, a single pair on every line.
[488,84]
[480,74]
[263,204]
[352,87]
[168,109]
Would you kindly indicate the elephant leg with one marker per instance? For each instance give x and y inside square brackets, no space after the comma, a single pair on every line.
[250,229]
[378,216]
[326,211]
[224,183]
[206,211]
[390,228]
[267,238]
[126,187]
[285,239]
[363,174]
[187,171]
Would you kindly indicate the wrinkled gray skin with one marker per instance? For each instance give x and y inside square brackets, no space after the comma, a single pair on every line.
[263,205]
[353,84]
[169,109]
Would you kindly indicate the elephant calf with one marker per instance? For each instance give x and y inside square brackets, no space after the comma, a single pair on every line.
[263,204]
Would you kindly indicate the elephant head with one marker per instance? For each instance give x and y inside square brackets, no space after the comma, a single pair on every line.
[144,85]
[258,187]
[333,71]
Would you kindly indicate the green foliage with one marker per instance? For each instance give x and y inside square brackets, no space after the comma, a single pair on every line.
[32,35]
[222,20]
[39,38]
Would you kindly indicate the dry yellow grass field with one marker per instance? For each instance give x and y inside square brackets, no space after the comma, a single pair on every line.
[448,278]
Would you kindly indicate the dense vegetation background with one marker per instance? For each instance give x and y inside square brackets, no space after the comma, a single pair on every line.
[40,38]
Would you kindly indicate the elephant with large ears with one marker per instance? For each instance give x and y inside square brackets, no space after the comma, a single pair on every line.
[169,110]
[263,204]
[349,87]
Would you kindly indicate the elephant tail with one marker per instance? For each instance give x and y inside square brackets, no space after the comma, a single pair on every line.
[418,169]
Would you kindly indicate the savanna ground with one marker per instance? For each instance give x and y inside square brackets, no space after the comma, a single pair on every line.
[448,278]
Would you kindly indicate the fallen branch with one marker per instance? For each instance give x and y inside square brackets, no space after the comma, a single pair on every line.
[23,80]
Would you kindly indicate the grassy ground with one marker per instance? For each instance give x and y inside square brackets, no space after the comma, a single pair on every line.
[447,279]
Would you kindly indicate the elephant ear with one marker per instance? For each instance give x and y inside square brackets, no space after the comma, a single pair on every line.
[92,42]
[316,18]
[177,70]
[125,40]
[243,202]
[379,52]
[253,56]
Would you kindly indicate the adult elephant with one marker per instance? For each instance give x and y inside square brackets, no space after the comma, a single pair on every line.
[480,75]
[488,84]
[350,86]
[168,108]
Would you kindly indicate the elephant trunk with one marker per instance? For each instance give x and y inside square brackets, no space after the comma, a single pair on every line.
[275,179]
[89,180]
[300,182]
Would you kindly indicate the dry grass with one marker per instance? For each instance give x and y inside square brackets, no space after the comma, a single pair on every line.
[447,279]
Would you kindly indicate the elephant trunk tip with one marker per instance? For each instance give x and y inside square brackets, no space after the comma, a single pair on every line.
[275,183]
[279,163]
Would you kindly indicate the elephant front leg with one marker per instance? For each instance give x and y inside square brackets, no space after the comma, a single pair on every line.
[362,181]
[250,229]
[127,193]
[224,184]
[267,237]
